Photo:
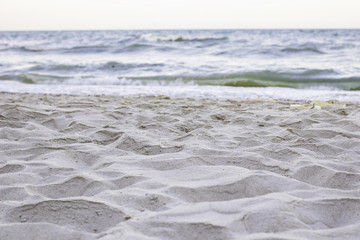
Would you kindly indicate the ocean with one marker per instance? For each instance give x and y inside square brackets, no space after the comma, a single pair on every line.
[285,64]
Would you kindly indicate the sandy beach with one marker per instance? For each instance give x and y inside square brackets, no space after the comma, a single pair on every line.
[106,167]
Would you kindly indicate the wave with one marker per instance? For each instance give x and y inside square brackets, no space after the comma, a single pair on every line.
[63,49]
[21,49]
[33,78]
[119,48]
[136,47]
[272,51]
[302,80]
[118,66]
[86,49]
[179,38]
[57,67]
[304,48]
[298,50]
[111,66]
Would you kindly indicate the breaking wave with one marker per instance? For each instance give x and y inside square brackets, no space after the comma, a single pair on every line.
[306,79]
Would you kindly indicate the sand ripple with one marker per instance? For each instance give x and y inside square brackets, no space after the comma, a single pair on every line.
[91,167]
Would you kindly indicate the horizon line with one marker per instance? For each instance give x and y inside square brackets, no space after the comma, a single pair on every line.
[172,29]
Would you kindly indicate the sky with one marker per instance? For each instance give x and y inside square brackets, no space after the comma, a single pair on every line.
[177,14]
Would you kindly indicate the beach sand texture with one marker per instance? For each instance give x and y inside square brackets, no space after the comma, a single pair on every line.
[103,167]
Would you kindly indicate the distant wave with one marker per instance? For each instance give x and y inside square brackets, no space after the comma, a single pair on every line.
[125,66]
[88,49]
[271,51]
[297,50]
[156,38]
[33,78]
[45,48]
[110,66]
[57,67]
[21,49]
[304,48]
[121,48]
[136,47]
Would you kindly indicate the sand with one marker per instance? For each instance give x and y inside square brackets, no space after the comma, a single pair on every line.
[103,167]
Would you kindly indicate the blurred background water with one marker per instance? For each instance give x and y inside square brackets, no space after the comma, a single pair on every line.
[302,59]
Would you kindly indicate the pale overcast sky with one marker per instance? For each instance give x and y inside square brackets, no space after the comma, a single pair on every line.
[177,14]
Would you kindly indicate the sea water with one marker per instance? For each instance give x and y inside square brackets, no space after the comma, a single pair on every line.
[289,64]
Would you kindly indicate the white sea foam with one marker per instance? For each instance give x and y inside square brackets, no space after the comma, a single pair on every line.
[183,91]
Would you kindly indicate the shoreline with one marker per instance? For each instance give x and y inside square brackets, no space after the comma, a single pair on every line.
[158,167]
[195,91]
